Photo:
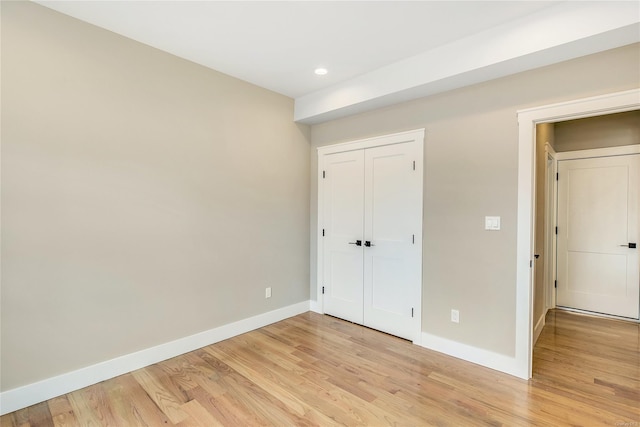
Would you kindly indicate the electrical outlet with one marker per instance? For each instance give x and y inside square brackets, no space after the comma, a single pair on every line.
[455,316]
[267,292]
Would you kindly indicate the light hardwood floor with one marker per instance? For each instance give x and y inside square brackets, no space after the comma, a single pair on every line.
[317,370]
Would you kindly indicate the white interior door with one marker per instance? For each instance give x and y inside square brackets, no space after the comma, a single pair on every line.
[393,213]
[343,212]
[598,267]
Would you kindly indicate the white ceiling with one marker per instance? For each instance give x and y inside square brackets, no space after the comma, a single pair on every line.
[377,52]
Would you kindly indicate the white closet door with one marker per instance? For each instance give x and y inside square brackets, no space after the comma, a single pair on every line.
[343,226]
[598,235]
[393,214]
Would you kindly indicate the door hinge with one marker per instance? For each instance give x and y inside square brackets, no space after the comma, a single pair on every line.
[323,290]
[556,229]
[557,176]
[555,284]
[530,263]
[414,165]
[324,175]
[323,232]
[413,239]
[411,311]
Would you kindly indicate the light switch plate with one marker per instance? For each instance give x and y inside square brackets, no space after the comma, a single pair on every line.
[492,223]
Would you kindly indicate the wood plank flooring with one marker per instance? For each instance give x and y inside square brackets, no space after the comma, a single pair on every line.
[313,370]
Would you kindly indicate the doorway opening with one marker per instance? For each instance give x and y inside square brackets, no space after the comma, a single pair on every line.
[528,120]
[574,145]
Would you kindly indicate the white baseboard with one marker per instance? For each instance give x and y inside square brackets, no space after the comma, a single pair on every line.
[315,306]
[472,354]
[538,328]
[21,397]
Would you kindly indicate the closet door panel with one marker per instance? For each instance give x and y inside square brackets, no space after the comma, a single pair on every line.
[392,217]
[343,223]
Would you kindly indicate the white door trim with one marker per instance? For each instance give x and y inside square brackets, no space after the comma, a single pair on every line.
[599,152]
[527,121]
[396,138]
[377,141]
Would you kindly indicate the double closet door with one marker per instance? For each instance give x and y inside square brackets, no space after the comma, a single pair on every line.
[371,243]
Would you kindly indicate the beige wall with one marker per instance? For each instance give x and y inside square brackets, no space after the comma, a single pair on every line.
[611,130]
[144,198]
[471,151]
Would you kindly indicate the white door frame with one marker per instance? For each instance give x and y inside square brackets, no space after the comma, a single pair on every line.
[396,138]
[527,120]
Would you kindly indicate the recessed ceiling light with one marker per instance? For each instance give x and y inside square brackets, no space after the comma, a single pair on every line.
[321,71]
